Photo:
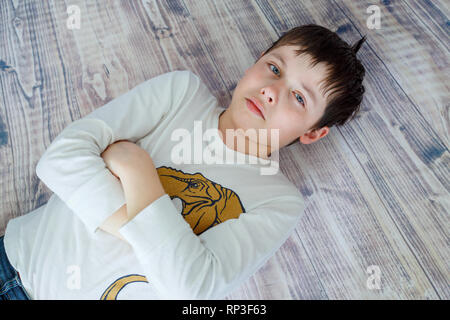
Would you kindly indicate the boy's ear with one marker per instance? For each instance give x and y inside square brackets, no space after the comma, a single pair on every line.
[314,135]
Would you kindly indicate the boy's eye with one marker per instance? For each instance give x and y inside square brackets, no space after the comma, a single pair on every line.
[273,66]
[299,96]
[301,99]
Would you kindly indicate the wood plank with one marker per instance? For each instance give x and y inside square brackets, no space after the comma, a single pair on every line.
[238,12]
[255,41]
[231,57]
[434,15]
[360,211]
[22,84]
[413,54]
[414,215]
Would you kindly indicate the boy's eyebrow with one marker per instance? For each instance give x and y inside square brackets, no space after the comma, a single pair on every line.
[307,89]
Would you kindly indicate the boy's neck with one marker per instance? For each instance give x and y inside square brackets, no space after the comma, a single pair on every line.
[257,150]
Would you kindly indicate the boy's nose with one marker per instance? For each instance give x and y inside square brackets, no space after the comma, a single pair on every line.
[266,98]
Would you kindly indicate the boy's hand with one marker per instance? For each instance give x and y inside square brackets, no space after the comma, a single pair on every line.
[141,183]
[137,173]
[134,167]
[118,154]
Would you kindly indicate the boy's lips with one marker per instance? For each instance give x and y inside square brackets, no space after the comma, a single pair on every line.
[255,103]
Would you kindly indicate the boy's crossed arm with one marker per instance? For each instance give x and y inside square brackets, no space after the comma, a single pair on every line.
[134,167]
[181,264]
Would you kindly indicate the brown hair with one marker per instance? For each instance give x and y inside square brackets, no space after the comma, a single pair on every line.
[345,72]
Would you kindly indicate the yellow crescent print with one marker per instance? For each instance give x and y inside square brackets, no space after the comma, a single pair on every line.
[205,204]
[113,290]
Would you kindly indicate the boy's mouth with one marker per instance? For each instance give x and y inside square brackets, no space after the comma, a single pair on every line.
[254,108]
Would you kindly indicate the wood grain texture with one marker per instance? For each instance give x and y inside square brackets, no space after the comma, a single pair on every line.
[376,189]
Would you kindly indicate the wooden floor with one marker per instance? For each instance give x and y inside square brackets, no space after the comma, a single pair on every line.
[377,189]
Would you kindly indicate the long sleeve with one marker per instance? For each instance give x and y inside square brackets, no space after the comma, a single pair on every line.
[72,166]
[182,265]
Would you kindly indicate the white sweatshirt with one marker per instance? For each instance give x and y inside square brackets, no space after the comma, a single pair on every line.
[215,227]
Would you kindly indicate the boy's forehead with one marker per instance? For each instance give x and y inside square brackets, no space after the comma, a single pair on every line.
[288,54]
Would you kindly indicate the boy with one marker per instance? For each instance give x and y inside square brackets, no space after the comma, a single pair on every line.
[125,222]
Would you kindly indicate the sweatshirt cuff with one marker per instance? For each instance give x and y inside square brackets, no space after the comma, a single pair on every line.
[97,199]
[154,225]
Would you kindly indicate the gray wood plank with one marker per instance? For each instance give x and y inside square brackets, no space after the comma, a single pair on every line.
[376,189]
[434,16]
[258,38]
[412,53]
[413,216]
[230,65]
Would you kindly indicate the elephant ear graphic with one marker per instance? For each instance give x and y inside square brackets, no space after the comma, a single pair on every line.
[205,203]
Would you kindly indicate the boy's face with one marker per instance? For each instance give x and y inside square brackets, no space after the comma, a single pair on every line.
[280,90]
